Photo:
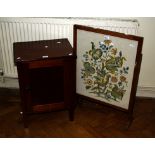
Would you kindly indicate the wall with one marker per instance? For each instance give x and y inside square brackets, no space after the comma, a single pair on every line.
[147,74]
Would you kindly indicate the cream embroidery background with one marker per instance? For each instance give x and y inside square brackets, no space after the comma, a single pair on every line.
[128,48]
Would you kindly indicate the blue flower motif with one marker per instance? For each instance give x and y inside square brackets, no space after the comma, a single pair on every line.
[103,47]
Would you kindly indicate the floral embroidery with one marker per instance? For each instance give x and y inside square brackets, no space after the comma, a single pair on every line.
[103,72]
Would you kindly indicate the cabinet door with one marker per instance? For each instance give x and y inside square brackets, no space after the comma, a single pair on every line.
[47,85]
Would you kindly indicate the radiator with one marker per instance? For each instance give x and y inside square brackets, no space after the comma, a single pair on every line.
[30,29]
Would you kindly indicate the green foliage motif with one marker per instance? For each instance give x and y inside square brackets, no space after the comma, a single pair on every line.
[103,72]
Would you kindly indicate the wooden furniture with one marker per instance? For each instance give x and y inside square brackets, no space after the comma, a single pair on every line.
[108,66]
[46,72]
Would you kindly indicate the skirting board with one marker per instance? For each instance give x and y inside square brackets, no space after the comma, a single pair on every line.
[141,91]
[9,82]
[146,92]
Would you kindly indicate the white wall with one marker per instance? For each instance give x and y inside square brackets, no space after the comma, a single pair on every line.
[147,30]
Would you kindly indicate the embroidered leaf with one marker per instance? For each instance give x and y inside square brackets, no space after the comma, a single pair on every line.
[97,54]
[88,87]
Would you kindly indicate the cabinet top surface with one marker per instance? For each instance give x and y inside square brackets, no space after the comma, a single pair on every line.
[35,50]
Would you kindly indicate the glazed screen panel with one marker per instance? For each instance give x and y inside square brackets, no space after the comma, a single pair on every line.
[105,67]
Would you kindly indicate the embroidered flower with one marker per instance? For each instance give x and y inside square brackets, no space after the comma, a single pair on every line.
[114,51]
[114,79]
[107,42]
[89,82]
[122,78]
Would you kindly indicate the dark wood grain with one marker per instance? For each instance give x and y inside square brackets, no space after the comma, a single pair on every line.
[91,120]
[34,50]
[46,84]
[103,31]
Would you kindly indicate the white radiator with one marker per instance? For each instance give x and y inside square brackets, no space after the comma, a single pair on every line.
[30,29]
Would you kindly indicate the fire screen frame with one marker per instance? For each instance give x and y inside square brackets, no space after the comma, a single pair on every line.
[102,56]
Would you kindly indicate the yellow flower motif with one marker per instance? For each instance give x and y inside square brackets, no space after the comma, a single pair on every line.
[122,78]
[107,42]
[89,82]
